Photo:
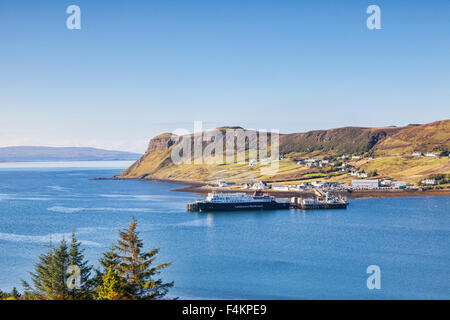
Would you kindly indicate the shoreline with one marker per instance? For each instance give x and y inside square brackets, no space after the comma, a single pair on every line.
[201,188]
[310,194]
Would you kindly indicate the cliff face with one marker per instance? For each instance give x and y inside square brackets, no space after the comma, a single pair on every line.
[162,142]
[386,142]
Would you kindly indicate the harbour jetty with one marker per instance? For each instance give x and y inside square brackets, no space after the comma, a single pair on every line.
[322,201]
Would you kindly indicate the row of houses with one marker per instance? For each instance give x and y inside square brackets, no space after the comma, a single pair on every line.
[428,154]
[377,183]
[261,185]
[345,157]
[311,185]
[429,182]
[312,163]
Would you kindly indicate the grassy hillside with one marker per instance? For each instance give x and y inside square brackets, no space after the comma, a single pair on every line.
[353,140]
[390,148]
[434,136]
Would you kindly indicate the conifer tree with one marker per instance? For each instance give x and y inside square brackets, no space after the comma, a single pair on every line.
[15,294]
[49,276]
[112,287]
[76,257]
[109,259]
[136,268]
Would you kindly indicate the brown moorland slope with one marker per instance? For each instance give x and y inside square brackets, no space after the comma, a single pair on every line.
[390,146]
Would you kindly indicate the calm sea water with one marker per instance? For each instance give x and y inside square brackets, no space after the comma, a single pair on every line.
[286,254]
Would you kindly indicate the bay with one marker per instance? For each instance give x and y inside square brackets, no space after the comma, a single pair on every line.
[286,254]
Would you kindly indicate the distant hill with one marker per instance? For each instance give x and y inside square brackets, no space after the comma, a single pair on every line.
[31,153]
[391,147]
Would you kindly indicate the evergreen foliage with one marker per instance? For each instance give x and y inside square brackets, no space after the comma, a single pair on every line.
[51,274]
[136,267]
[112,287]
[128,273]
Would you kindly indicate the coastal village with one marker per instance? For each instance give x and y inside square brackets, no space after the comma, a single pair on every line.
[349,161]
[343,166]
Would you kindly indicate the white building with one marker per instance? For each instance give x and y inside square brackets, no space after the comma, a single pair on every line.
[280,188]
[260,185]
[431,154]
[398,184]
[366,184]
[417,154]
[356,157]
[363,175]
[428,181]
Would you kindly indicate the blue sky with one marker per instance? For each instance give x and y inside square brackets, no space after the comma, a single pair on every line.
[139,68]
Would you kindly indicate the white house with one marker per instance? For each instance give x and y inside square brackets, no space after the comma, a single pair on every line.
[363,175]
[431,154]
[356,157]
[417,154]
[428,181]
[280,188]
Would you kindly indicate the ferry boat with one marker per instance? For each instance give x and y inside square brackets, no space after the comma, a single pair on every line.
[237,201]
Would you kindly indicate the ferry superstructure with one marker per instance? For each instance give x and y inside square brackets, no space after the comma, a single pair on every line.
[237,201]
